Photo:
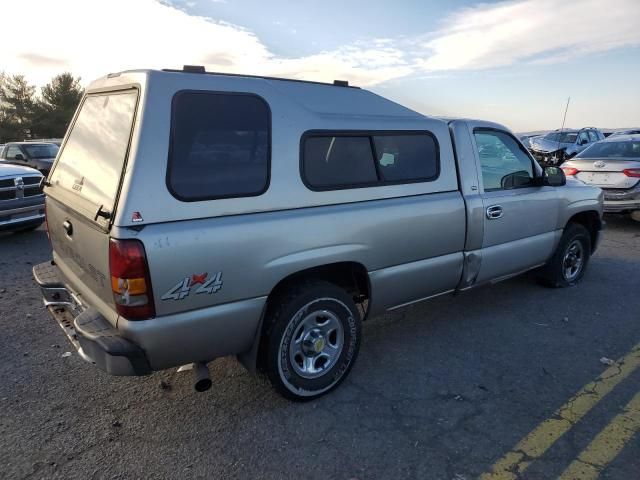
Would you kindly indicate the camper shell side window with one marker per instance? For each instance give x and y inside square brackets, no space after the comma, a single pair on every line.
[220,145]
[357,159]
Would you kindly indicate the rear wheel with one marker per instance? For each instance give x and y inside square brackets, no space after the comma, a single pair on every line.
[313,339]
[568,264]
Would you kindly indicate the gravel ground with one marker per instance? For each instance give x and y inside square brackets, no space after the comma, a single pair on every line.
[440,390]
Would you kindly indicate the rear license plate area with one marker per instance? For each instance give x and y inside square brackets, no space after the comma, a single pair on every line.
[597,178]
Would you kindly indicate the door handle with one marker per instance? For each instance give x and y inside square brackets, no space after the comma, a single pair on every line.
[68,227]
[494,211]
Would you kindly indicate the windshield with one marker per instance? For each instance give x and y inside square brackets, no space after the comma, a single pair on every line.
[564,137]
[91,161]
[612,150]
[41,150]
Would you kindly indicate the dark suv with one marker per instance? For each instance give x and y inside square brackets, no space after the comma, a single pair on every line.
[30,154]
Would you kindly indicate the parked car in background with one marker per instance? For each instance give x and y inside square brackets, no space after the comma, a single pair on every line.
[30,154]
[560,145]
[57,141]
[21,198]
[194,216]
[613,165]
[526,139]
[633,131]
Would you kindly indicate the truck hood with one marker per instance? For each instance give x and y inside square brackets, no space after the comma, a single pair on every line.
[544,145]
[10,170]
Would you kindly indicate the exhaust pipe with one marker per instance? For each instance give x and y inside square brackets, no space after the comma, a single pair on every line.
[201,377]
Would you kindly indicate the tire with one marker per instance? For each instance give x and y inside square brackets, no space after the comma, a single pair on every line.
[569,262]
[312,340]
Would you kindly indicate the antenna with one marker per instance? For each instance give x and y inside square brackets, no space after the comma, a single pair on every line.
[563,120]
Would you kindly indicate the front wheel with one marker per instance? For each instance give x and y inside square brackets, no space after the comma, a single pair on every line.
[569,262]
[313,340]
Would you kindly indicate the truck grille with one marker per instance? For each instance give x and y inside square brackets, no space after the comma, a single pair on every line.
[19,187]
[31,180]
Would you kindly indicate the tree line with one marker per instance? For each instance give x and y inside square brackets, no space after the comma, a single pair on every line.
[25,114]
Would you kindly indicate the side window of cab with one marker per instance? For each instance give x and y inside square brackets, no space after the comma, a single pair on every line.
[583,138]
[12,152]
[503,162]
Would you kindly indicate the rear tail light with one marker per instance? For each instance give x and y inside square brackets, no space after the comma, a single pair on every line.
[570,170]
[632,172]
[130,281]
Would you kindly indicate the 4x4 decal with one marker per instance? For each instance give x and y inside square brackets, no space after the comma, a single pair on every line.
[184,287]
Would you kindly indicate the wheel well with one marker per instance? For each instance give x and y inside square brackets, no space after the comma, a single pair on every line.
[589,220]
[351,276]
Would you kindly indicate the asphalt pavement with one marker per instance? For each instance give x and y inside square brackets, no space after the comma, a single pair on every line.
[441,390]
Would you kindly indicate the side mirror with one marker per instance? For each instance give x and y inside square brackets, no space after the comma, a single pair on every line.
[582,142]
[554,177]
[19,156]
[517,179]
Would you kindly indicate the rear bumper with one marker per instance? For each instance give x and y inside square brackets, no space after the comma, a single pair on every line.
[95,339]
[617,201]
[621,206]
[139,347]
[102,343]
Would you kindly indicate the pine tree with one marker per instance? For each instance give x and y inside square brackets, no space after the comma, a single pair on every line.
[16,107]
[55,109]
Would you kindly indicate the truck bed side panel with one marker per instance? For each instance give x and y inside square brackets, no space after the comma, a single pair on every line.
[251,253]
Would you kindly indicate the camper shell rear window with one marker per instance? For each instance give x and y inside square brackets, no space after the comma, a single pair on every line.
[92,158]
[220,145]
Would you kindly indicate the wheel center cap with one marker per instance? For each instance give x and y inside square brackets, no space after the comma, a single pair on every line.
[313,343]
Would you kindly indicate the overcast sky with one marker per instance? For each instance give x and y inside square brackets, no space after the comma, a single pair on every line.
[513,62]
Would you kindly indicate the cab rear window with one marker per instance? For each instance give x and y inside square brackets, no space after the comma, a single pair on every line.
[93,156]
[220,146]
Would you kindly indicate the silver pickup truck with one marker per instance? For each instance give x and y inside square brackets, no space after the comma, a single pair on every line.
[195,215]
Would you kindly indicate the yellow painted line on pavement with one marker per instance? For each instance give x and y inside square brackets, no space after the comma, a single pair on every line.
[538,441]
[607,444]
